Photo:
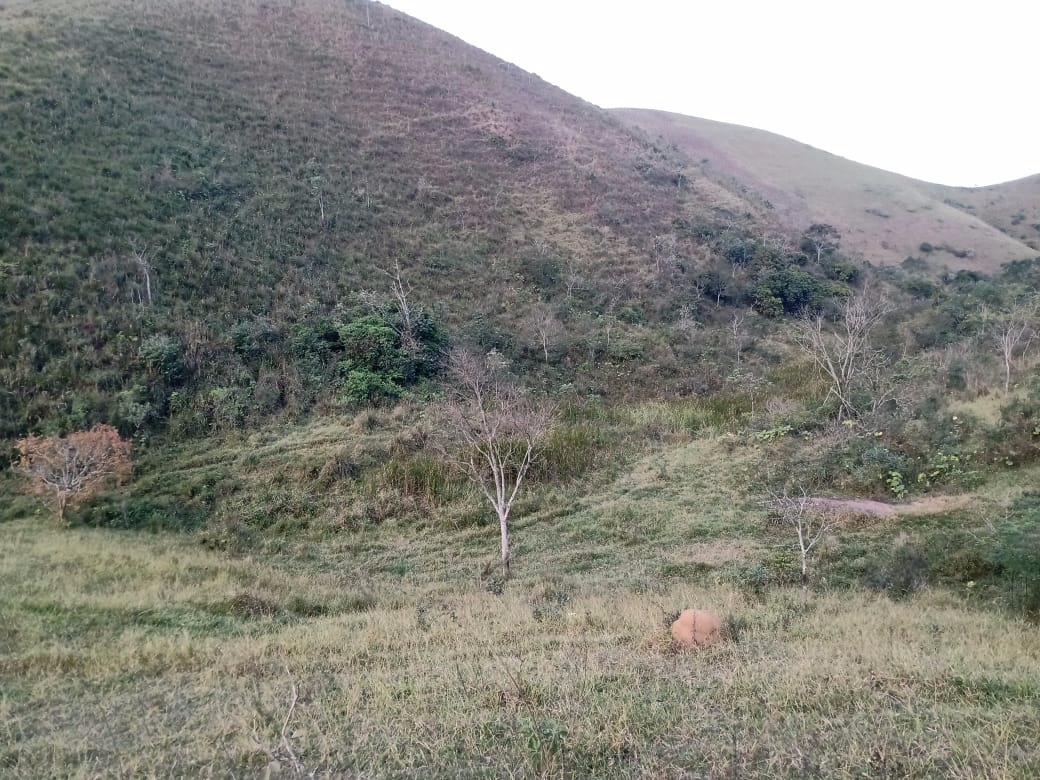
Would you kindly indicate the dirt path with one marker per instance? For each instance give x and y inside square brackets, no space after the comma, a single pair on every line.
[864,506]
[860,506]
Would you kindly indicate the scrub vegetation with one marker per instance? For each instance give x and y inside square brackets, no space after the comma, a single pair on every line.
[242,241]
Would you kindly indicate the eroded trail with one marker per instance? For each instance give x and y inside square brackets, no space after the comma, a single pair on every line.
[862,506]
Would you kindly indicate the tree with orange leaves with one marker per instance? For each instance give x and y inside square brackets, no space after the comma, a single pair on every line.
[73,467]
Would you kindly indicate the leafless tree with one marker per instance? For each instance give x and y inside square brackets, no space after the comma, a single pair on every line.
[572,278]
[780,244]
[407,314]
[845,354]
[796,513]
[408,332]
[318,192]
[492,427]
[686,323]
[542,323]
[738,333]
[665,251]
[609,318]
[141,257]
[1012,335]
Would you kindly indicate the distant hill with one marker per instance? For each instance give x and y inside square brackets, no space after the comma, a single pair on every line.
[883,217]
[1012,207]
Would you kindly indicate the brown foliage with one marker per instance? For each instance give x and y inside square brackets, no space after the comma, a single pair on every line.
[73,467]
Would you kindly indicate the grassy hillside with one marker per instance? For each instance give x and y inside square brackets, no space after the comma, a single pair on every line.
[1013,207]
[882,216]
[172,172]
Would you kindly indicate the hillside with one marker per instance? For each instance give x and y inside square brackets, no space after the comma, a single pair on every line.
[174,171]
[1013,207]
[249,236]
[882,216]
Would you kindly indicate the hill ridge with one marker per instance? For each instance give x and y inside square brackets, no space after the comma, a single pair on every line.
[884,216]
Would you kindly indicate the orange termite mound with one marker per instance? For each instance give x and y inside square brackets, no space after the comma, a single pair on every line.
[697,628]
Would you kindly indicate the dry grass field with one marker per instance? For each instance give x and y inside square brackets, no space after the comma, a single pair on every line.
[381,651]
[138,657]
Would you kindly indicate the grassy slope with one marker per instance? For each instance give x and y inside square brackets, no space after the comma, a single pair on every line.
[213,140]
[133,653]
[1013,207]
[882,216]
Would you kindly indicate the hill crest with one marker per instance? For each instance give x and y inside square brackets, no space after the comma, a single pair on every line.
[884,217]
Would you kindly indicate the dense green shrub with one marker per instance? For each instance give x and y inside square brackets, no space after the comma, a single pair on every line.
[164,358]
[363,386]
[1017,554]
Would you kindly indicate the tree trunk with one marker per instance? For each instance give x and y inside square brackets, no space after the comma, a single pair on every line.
[63,501]
[505,544]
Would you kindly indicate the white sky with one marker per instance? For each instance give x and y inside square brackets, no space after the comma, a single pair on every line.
[941,91]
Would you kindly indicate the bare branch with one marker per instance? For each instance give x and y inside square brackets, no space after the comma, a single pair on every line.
[492,427]
[845,354]
[795,512]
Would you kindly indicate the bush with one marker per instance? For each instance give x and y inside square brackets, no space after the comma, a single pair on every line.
[904,572]
[164,358]
[1017,555]
[369,343]
[363,386]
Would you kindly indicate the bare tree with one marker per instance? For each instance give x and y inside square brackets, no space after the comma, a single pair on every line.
[1012,334]
[493,426]
[317,192]
[738,333]
[73,467]
[686,322]
[845,354]
[141,257]
[609,318]
[796,513]
[665,251]
[542,323]
[572,278]
[407,314]
[407,331]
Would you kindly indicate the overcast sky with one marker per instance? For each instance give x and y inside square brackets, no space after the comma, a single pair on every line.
[941,91]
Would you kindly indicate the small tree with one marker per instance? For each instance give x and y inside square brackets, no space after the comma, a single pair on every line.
[796,513]
[541,323]
[738,334]
[821,239]
[73,467]
[846,355]
[493,426]
[1012,334]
